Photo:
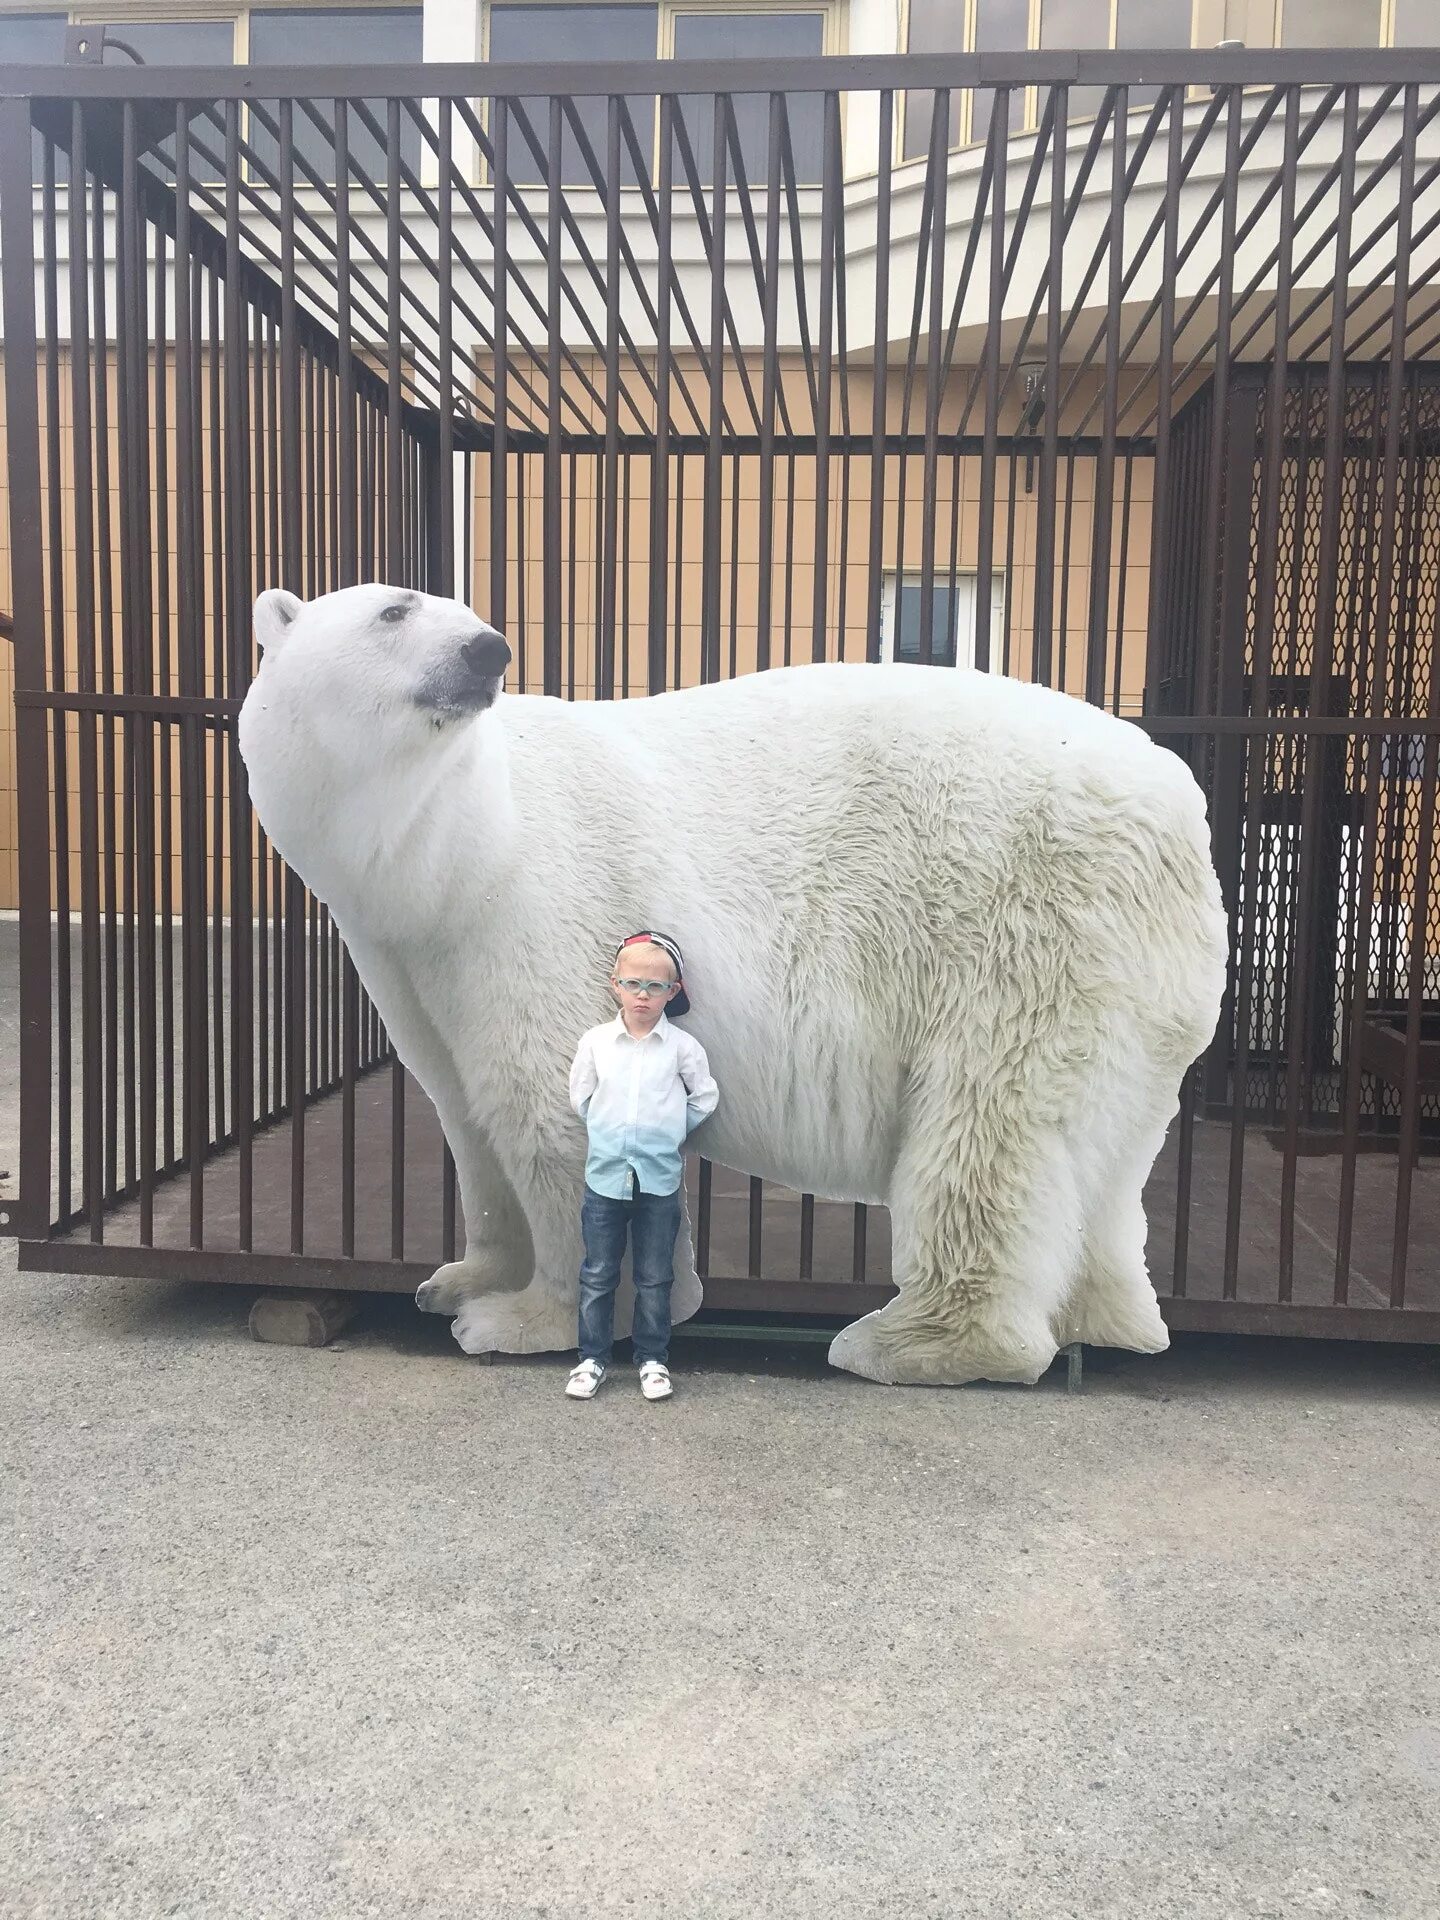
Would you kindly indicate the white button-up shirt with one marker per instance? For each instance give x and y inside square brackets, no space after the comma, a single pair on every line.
[639,1098]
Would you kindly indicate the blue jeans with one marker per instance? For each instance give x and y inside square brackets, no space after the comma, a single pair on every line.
[652,1221]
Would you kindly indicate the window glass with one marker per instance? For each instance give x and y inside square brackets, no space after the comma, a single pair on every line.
[178,43]
[946,622]
[1330,23]
[1417,23]
[34,39]
[173,43]
[353,36]
[1001,26]
[938,26]
[751,36]
[1151,23]
[1076,23]
[582,33]
[953,632]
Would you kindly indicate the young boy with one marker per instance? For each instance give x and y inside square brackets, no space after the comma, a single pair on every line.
[639,1085]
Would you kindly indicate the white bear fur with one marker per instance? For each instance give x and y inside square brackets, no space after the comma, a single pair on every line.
[951,940]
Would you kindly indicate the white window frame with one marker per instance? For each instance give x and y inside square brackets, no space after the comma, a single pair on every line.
[1031,117]
[833,12]
[964,644]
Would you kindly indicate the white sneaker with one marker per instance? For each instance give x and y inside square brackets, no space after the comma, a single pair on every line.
[585,1380]
[655,1382]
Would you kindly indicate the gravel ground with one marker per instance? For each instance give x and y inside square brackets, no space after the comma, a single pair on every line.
[380,1630]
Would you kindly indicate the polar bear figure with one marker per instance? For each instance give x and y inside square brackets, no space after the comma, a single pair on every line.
[951,940]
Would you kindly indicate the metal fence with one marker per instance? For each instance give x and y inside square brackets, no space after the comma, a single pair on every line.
[680,372]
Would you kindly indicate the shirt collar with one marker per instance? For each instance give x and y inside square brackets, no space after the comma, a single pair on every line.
[618,1026]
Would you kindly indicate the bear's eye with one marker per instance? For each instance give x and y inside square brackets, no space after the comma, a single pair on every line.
[393,615]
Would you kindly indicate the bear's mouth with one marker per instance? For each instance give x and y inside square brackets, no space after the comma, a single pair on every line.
[467,682]
[453,700]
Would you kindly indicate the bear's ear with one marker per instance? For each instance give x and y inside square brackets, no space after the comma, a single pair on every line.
[275,612]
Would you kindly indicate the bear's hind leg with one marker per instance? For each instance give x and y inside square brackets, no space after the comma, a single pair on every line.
[1114,1304]
[986,1245]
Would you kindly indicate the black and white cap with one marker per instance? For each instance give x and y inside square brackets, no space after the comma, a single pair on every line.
[681,1002]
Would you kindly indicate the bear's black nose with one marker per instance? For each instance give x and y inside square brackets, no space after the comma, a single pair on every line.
[485,655]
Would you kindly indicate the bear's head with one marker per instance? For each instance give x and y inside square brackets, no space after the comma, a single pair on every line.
[362,699]
[411,662]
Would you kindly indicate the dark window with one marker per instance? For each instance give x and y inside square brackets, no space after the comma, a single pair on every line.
[348,36]
[1001,26]
[1150,23]
[31,39]
[907,637]
[752,36]
[34,40]
[1076,23]
[584,34]
[954,618]
[1331,23]
[1417,23]
[173,43]
[938,26]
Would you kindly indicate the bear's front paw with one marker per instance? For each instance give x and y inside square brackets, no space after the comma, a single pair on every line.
[514,1323]
[487,1270]
[902,1349]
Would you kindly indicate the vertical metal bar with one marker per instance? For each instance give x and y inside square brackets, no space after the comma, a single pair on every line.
[55,609]
[1102,526]
[1414,1003]
[678,577]
[938,189]
[881,380]
[237,525]
[346,506]
[189,441]
[769,322]
[297,445]
[98,266]
[818,583]
[92,1133]
[138,477]
[1008,596]
[165,733]
[994,322]
[499,463]
[710,534]
[702,1224]
[220,431]
[22,405]
[1160,568]
[1316,747]
[1122,579]
[660,458]
[550,558]
[1379,673]
[572,519]
[131,562]
[610,466]
[831,191]
[1259,746]
[1043,665]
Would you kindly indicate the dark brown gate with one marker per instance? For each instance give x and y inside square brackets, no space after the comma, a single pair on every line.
[683,372]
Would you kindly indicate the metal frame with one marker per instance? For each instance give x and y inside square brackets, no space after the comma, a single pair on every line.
[652,400]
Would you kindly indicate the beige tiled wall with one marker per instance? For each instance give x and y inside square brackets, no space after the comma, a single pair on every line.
[793,571]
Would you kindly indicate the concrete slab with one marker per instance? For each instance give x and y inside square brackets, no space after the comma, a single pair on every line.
[379,1631]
